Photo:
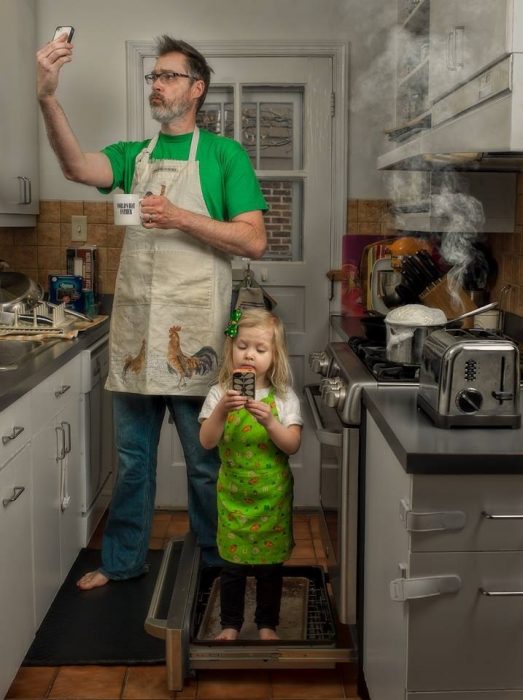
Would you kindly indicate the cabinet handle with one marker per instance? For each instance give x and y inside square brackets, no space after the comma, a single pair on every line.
[60,447]
[459,40]
[16,432]
[499,593]
[17,492]
[67,432]
[402,589]
[499,516]
[59,392]
[450,45]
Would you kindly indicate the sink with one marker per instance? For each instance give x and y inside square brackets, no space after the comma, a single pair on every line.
[14,352]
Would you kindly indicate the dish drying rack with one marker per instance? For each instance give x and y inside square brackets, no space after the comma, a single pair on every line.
[44,318]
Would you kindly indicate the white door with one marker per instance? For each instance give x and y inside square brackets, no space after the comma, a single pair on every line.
[280,110]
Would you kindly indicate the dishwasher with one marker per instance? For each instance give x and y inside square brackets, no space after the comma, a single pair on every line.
[98,450]
[184,602]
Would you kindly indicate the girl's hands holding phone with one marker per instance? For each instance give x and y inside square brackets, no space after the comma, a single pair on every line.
[232,400]
[261,411]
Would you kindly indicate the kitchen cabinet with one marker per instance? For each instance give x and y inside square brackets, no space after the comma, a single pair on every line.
[16,571]
[55,414]
[19,198]
[465,38]
[442,581]
[413,60]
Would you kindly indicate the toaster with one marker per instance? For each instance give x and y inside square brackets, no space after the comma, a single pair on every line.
[470,378]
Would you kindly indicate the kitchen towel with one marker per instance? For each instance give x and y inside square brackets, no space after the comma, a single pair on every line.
[104,626]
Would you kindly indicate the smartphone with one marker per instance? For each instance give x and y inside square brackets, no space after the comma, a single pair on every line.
[244,381]
[64,30]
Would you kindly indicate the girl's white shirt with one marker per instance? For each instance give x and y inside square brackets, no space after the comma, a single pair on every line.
[289,410]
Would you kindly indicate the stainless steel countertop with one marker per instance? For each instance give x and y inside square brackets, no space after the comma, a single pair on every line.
[16,383]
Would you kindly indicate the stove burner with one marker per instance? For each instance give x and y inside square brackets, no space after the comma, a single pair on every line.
[374,358]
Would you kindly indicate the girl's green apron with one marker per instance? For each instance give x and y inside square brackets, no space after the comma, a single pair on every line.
[172,293]
[255,493]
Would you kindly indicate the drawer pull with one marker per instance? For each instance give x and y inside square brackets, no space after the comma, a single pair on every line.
[497,516]
[59,392]
[402,589]
[16,432]
[431,521]
[499,593]
[17,492]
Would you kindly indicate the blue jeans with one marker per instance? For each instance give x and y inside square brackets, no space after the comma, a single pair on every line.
[138,420]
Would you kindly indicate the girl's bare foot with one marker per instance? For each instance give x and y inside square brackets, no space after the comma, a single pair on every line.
[266,633]
[228,633]
[93,579]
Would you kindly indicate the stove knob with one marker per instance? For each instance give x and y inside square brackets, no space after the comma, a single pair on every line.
[469,400]
[333,392]
[319,362]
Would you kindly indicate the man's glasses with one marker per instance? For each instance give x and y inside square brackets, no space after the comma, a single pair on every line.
[166,77]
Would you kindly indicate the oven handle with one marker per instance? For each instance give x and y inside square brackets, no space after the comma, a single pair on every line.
[325,436]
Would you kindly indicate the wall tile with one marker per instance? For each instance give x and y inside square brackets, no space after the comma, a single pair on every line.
[48,234]
[96,212]
[70,208]
[49,211]
[96,234]
[50,258]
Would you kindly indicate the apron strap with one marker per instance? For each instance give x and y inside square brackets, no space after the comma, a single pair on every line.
[194,143]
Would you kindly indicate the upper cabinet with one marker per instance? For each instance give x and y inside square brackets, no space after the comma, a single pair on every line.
[413,60]
[466,36]
[459,86]
[19,196]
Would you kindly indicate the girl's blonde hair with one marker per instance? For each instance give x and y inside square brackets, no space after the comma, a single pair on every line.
[279,373]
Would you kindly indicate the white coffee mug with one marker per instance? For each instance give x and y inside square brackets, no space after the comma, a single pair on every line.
[127,209]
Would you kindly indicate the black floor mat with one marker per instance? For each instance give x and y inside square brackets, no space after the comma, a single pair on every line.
[102,626]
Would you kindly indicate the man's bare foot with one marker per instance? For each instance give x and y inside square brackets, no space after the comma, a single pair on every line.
[266,633]
[93,579]
[229,634]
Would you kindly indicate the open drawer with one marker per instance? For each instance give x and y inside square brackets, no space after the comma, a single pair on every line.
[178,609]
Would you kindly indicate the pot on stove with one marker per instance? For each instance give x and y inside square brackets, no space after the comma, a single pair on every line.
[407,329]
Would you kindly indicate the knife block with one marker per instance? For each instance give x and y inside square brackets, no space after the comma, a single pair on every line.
[453,301]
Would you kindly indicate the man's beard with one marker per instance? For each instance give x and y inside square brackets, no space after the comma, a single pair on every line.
[167,112]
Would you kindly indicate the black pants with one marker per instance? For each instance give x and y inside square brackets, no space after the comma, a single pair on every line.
[269,581]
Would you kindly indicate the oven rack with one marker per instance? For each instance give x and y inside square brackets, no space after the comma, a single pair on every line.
[321,628]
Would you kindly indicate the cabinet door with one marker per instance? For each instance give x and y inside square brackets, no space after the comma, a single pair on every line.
[18,135]
[46,516]
[467,640]
[16,568]
[68,429]
[465,37]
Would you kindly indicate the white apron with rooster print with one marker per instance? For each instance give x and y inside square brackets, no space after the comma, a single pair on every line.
[172,294]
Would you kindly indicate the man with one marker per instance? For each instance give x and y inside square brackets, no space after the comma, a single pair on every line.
[200,204]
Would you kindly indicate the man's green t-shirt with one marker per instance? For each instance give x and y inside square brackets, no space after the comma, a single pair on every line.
[229,183]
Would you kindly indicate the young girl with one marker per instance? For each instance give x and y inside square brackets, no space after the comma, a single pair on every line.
[255,484]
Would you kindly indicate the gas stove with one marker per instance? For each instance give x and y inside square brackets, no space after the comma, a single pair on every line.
[349,367]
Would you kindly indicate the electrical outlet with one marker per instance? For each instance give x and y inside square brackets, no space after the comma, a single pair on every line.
[78,228]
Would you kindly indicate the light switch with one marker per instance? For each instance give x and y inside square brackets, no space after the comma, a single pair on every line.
[78,228]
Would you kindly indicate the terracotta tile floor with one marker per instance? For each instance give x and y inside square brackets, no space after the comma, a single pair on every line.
[149,682]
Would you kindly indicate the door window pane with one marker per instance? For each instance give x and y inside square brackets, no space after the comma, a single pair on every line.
[217,112]
[283,221]
[271,127]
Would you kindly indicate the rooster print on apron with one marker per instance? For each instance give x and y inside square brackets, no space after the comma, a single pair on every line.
[172,292]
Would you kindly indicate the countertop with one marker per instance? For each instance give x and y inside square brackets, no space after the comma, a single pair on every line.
[16,383]
[423,448]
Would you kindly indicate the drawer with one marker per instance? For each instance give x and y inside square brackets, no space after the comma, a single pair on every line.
[467,640]
[486,509]
[15,428]
[48,398]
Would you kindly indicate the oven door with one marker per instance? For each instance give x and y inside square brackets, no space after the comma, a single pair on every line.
[182,604]
[339,450]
